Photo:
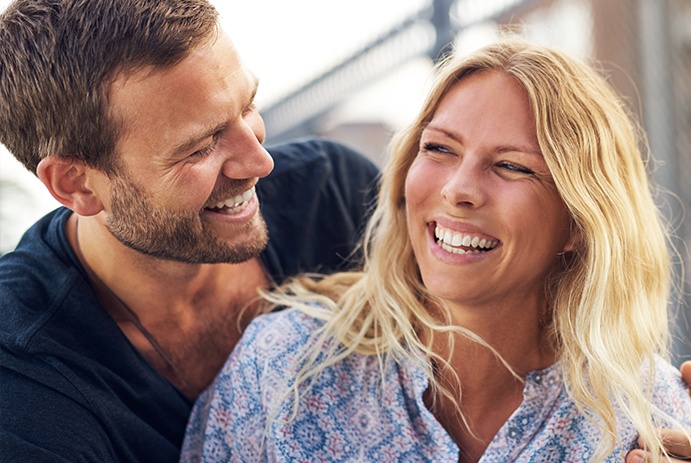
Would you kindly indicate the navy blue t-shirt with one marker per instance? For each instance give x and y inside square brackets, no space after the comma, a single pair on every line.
[72,386]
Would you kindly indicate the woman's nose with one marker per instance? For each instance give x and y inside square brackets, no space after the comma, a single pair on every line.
[466,185]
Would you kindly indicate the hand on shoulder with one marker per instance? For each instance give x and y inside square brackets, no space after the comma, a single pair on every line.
[676,440]
[686,373]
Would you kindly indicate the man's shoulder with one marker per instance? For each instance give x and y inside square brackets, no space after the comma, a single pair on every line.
[34,279]
[43,246]
[312,173]
[315,204]
[316,167]
[317,154]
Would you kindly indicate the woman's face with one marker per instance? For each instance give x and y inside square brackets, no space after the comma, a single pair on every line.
[485,219]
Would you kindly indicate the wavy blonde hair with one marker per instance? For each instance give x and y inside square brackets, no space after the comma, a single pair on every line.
[609,303]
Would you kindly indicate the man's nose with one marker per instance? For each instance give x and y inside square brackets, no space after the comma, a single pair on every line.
[246,156]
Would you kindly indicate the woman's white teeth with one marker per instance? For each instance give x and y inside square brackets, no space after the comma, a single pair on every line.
[237,203]
[451,241]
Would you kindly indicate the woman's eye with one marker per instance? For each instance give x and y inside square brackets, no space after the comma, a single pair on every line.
[435,147]
[515,168]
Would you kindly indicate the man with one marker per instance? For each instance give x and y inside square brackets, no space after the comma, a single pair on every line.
[139,117]
[117,310]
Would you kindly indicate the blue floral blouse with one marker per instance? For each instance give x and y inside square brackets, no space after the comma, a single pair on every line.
[349,414]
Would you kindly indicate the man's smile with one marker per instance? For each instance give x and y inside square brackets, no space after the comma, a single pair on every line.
[234,204]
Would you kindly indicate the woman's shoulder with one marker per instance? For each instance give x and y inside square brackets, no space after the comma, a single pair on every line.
[288,328]
[273,342]
[667,376]
[670,392]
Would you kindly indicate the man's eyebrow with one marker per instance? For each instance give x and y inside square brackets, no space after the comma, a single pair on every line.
[190,143]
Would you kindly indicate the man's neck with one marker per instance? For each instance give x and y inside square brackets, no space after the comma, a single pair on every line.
[187,317]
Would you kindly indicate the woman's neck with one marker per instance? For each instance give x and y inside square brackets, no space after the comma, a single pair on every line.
[486,380]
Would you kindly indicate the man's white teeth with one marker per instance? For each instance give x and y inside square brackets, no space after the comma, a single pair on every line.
[451,241]
[236,203]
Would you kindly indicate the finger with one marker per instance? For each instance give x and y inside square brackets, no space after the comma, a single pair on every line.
[686,373]
[641,456]
[636,456]
[677,442]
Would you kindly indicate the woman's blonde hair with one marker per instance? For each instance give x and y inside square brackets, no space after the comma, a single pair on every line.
[609,302]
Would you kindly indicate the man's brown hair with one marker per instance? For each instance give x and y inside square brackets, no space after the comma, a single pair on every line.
[58,59]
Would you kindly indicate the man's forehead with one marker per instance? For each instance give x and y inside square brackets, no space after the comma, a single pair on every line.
[171,106]
[213,66]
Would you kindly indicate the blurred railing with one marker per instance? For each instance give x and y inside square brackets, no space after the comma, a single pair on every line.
[428,32]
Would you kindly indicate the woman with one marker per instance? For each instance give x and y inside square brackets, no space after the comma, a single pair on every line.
[512,305]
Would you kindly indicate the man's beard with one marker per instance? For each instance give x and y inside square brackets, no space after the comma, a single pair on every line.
[175,235]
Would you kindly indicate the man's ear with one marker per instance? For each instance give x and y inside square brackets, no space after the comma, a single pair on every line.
[68,181]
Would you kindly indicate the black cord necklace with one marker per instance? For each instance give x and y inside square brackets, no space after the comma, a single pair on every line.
[129,313]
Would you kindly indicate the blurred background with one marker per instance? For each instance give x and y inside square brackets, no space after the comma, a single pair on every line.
[357,70]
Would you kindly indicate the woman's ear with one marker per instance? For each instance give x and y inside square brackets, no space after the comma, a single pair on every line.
[574,239]
[68,181]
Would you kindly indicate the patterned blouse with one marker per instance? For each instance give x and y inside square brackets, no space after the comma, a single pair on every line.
[350,415]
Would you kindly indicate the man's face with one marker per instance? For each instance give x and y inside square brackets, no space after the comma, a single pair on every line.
[189,158]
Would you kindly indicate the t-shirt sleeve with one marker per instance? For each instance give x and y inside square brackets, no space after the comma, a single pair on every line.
[39,423]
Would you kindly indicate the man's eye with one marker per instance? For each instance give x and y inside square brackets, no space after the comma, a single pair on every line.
[250,108]
[203,152]
[207,149]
